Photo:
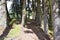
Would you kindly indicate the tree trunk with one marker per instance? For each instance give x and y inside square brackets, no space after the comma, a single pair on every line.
[3,16]
[56,19]
[33,9]
[21,6]
[45,12]
[23,12]
[38,11]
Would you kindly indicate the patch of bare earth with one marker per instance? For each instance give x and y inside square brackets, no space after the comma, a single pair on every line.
[30,33]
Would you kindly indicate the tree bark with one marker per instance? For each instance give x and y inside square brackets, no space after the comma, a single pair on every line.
[33,9]
[3,15]
[38,11]
[45,12]
[56,19]
[23,12]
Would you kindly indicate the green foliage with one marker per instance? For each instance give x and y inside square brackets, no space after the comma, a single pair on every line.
[13,32]
[12,21]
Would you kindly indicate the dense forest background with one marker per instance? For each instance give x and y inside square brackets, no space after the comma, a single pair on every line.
[22,16]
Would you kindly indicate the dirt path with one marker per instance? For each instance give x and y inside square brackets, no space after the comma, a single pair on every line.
[30,33]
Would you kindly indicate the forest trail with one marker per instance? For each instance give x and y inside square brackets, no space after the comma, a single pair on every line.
[32,32]
[29,32]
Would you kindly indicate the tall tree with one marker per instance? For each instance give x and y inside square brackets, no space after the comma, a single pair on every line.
[38,11]
[50,24]
[45,13]
[56,18]
[21,7]
[3,15]
[23,12]
[33,9]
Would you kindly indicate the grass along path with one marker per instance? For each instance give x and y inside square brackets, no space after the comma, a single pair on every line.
[13,32]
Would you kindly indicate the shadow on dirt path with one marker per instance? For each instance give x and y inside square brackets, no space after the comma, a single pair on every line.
[38,31]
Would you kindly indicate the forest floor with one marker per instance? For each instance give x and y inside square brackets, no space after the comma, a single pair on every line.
[24,33]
